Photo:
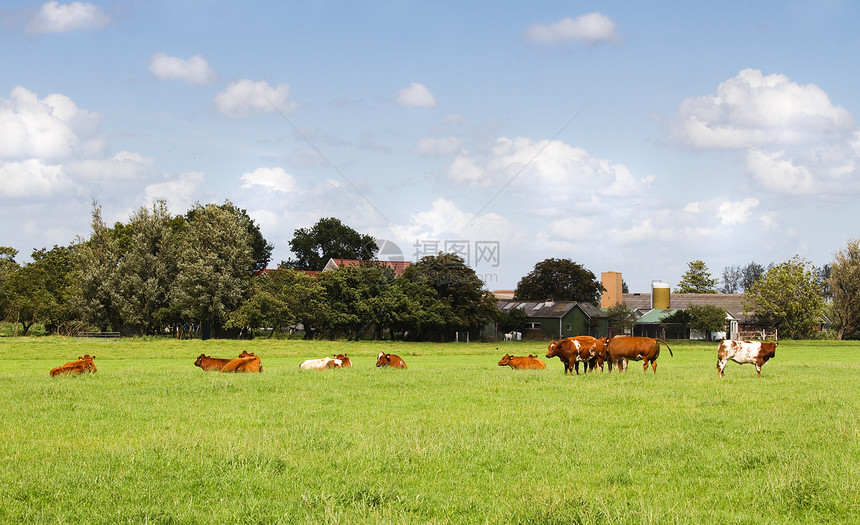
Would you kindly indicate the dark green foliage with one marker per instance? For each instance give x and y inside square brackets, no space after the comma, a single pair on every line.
[328,238]
[788,297]
[560,280]
[697,279]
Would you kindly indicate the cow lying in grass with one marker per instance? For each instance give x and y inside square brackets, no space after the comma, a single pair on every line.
[522,363]
[390,360]
[321,364]
[247,362]
[84,364]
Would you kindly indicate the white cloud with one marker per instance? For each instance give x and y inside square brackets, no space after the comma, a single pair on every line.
[754,109]
[736,212]
[194,70]
[438,147]
[56,18]
[415,96]
[243,98]
[273,178]
[180,192]
[592,28]
[796,141]
[31,178]
[124,166]
[50,128]
[526,163]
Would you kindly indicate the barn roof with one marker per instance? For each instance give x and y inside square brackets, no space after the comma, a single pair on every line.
[397,266]
[550,309]
[733,303]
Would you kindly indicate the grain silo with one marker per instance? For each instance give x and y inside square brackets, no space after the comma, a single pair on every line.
[660,295]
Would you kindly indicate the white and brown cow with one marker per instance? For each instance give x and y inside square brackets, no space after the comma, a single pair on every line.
[742,352]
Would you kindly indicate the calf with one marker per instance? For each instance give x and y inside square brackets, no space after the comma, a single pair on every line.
[390,360]
[623,348]
[743,352]
[84,364]
[522,363]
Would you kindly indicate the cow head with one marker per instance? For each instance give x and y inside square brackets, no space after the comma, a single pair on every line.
[505,361]
[245,353]
[199,361]
[383,359]
[552,349]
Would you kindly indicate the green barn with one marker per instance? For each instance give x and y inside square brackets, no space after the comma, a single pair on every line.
[558,319]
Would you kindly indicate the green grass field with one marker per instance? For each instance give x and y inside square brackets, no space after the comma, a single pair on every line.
[151,438]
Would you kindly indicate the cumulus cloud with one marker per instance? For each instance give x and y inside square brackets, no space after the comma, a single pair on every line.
[438,147]
[244,98]
[736,212]
[54,17]
[592,28]
[180,192]
[796,141]
[527,163]
[51,128]
[272,178]
[194,70]
[415,96]
[31,178]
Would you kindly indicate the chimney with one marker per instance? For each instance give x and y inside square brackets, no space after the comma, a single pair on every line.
[613,287]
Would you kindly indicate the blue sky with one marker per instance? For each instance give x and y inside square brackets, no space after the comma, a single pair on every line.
[626,136]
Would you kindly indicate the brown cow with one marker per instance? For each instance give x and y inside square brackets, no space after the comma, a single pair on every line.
[210,364]
[623,348]
[522,363]
[344,361]
[743,352]
[391,360]
[82,365]
[247,363]
[573,350]
[215,364]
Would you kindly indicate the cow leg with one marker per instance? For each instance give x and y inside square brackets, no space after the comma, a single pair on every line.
[576,366]
[654,366]
[644,365]
[758,367]
[721,368]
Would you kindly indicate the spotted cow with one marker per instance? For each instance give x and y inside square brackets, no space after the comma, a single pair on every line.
[743,352]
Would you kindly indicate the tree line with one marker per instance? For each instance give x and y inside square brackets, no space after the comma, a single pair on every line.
[204,274]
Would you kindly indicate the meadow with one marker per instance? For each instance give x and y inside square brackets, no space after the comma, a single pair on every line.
[150,438]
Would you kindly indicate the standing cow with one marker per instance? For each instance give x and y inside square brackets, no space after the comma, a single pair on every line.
[624,348]
[743,352]
[573,350]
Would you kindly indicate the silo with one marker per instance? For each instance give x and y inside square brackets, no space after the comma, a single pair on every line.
[660,295]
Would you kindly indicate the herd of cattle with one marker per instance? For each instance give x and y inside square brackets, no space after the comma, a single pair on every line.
[590,351]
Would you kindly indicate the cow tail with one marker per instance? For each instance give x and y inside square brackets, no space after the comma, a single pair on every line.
[667,346]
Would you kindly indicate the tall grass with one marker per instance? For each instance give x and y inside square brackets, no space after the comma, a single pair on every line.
[452,439]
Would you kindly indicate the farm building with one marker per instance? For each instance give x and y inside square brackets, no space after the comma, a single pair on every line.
[556,319]
[652,308]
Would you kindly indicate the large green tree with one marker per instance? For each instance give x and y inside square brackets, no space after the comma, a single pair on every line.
[149,268]
[845,289]
[457,286]
[788,297]
[97,298]
[697,279]
[261,250]
[57,267]
[328,238]
[561,280]
[214,269]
